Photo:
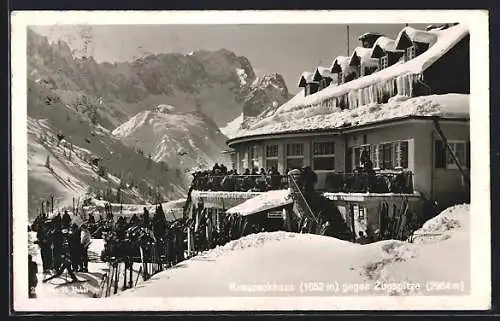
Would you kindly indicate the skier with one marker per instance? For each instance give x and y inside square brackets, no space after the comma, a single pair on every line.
[85,243]
[145,218]
[66,219]
[32,277]
[45,243]
[65,257]
[57,240]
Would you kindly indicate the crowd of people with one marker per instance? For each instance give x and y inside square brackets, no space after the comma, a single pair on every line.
[365,179]
[152,238]
[219,178]
[63,245]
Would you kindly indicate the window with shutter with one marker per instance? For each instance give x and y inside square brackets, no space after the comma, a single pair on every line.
[380,148]
[439,154]
[388,153]
[459,149]
[404,154]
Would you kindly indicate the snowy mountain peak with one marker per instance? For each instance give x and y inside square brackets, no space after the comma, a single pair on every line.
[163,134]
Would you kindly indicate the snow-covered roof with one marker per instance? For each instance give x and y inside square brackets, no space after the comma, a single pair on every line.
[327,118]
[369,34]
[384,43]
[364,55]
[315,113]
[340,61]
[416,35]
[322,72]
[305,78]
[263,202]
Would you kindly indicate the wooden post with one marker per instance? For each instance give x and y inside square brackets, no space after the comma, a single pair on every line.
[452,153]
[348,54]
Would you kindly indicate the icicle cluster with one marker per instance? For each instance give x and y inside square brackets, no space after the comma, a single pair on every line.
[378,93]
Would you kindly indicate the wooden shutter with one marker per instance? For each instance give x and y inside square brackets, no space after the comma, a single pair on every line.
[403,154]
[439,154]
[381,162]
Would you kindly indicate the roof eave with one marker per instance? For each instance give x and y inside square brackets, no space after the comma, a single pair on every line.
[345,129]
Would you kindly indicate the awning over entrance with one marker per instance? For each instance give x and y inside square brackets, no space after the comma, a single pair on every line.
[263,202]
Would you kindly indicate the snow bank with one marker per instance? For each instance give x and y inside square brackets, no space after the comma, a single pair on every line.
[278,263]
[262,202]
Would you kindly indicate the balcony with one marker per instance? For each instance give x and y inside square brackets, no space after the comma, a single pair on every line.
[240,183]
[398,182]
[387,182]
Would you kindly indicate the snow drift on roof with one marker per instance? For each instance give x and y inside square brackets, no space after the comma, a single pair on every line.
[322,72]
[341,61]
[385,43]
[322,117]
[416,35]
[364,55]
[306,77]
[367,34]
[263,202]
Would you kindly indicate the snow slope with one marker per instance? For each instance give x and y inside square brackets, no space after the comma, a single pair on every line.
[278,264]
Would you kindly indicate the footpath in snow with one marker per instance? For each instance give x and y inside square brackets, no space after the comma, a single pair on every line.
[290,264]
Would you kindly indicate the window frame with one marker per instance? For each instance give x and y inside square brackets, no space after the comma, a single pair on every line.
[315,156]
[375,155]
[287,156]
[339,78]
[255,158]
[271,158]
[463,162]
[384,62]
[410,53]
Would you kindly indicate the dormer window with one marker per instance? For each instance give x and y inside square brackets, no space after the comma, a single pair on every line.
[383,62]
[339,78]
[410,53]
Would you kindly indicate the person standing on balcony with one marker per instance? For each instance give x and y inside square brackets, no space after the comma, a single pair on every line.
[309,179]
[368,170]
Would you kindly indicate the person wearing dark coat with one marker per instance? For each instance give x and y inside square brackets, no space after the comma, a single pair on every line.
[66,220]
[275,178]
[75,247]
[32,276]
[145,218]
[65,257]
[57,242]
[309,179]
[45,243]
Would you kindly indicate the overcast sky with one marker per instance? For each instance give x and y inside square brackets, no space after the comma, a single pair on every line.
[286,49]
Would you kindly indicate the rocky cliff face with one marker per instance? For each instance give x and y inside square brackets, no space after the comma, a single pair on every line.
[159,113]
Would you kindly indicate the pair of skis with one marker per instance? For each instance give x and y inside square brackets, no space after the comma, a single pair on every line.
[110,280]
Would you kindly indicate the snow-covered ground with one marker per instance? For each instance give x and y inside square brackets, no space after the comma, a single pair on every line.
[61,287]
[172,209]
[290,264]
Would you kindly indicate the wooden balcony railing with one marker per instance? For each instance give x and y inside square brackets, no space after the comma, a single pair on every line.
[390,182]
